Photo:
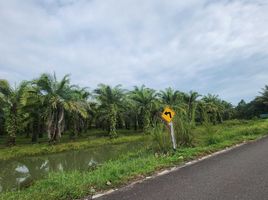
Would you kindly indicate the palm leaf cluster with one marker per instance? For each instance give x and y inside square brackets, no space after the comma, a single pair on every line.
[54,107]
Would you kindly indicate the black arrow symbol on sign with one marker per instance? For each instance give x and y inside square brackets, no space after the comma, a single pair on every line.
[168,113]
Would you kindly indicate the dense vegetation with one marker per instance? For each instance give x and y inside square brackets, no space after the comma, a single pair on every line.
[138,164]
[55,111]
[54,107]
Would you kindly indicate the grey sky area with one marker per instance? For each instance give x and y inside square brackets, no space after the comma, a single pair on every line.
[217,47]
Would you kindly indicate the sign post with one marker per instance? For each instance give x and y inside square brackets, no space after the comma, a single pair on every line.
[172,135]
[167,115]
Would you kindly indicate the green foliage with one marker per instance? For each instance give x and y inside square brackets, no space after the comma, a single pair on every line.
[146,101]
[41,149]
[191,100]
[249,131]
[210,133]
[112,117]
[254,108]
[170,97]
[74,185]
[111,104]
[10,99]
[57,107]
[183,127]
[161,138]
[216,109]
[11,124]
[57,98]
[236,122]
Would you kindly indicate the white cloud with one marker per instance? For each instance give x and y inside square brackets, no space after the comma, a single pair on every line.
[196,44]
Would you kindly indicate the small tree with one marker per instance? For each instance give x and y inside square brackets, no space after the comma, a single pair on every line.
[183,128]
[57,97]
[10,99]
[110,104]
[146,101]
[191,101]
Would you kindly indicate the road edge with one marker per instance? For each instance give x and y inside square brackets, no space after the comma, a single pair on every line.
[176,168]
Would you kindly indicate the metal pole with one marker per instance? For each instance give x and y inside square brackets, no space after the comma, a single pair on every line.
[172,135]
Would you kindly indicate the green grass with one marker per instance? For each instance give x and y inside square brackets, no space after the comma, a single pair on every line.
[22,140]
[41,149]
[129,167]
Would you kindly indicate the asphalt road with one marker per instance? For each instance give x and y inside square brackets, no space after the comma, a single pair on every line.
[241,173]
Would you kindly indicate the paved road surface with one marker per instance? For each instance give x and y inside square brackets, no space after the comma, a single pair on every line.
[241,173]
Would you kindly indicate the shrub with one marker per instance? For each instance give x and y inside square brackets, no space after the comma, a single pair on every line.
[235,122]
[183,131]
[249,131]
[161,138]
[211,134]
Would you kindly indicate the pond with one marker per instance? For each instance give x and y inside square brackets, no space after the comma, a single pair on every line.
[21,172]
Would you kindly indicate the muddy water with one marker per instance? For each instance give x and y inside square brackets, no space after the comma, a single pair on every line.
[20,172]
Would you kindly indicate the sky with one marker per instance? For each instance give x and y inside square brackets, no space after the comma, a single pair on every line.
[216,46]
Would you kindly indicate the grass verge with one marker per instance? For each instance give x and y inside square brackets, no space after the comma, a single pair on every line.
[129,167]
[41,149]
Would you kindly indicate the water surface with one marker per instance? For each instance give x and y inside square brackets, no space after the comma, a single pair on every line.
[20,172]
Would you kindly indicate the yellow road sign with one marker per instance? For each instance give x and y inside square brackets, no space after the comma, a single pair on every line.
[168,114]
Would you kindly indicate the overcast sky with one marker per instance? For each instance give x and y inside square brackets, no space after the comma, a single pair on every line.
[217,46]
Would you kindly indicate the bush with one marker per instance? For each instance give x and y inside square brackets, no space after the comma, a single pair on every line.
[211,134]
[161,138]
[212,139]
[249,131]
[183,131]
[255,118]
[235,122]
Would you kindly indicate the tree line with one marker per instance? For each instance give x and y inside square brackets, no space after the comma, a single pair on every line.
[46,105]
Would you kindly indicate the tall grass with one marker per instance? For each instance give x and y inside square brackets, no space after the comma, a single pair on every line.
[41,149]
[210,132]
[183,130]
[161,138]
[130,166]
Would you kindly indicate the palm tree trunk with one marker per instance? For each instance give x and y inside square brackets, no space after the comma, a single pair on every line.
[28,130]
[2,122]
[146,121]
[112,125]
[34,130]
[40,128]
[136,122]
[220,117]
[60,125]
[193,111]
[11,124]
[50,126]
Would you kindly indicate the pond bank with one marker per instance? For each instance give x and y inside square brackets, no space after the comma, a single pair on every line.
[132,166]
[44,149]
[21,172]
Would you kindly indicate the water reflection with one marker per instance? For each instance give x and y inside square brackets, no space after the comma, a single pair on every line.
[18,173]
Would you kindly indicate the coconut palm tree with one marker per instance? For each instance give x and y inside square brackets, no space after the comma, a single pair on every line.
[131,114]
[215,107]
[208,112]
[2,116]
[228,110]
[146,100]
[2,120]
[58,97]
[110,101]
[191,101]
[171,97]
[10,99]
[264,96]
[78,123]
[33,120]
